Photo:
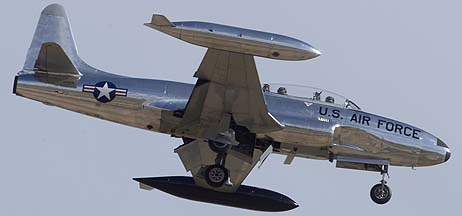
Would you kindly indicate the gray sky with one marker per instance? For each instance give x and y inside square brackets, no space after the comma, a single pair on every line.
[400,59]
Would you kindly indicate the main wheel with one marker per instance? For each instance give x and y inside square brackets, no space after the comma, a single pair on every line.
[380,194]
[218,147]
[216,175]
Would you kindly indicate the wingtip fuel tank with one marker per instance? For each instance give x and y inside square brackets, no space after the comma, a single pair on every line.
[235,39]
[246,197]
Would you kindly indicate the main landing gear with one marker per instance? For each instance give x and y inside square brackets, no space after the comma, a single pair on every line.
[241,140]
[381,193]
[217,175]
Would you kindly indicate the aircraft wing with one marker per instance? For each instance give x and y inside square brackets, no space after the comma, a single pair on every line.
[228,88]
[227,95]
[196,156]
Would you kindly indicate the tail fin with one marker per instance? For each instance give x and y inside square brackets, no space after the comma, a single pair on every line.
[53,48]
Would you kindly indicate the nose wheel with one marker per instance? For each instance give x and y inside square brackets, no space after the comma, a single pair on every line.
[381,193]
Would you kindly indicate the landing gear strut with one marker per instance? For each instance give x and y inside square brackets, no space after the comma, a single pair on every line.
[381,193]
[241,140]
[217,175]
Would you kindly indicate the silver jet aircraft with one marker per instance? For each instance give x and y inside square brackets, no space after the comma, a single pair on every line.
[228,121]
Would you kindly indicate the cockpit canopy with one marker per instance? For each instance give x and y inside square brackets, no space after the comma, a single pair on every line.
[310,94]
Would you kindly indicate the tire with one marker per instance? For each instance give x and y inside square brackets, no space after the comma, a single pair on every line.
[216,175]
[218,147]
[379,195]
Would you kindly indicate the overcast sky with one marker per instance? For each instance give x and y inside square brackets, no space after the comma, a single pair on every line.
[400,59]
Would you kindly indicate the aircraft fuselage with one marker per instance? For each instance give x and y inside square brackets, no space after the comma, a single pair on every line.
[312,129]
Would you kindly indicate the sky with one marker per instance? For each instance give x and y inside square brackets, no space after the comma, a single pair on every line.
[399,59]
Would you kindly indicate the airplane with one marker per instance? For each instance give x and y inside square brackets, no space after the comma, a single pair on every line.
[229,123]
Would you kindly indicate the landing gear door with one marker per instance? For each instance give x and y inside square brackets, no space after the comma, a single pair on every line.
[197,157]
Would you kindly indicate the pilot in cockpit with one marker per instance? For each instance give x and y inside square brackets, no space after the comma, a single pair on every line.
[330,99]
[317,96]
[282,91]
[266,88]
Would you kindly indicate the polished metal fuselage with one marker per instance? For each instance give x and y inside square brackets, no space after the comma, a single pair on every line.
[312,129]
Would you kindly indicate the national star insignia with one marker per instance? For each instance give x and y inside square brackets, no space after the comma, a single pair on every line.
[104,91]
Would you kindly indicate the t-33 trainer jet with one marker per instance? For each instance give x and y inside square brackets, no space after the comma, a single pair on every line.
[228,121]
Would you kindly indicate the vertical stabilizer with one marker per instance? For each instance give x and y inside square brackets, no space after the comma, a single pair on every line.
[53,48]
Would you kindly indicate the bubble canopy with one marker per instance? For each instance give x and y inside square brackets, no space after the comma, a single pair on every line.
[311,94]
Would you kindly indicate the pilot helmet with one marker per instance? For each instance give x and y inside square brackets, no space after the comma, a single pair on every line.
[266,88]
[282,91]
[330,99]
[317,96]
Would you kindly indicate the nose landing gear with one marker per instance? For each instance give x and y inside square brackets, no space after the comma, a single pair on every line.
[381,193]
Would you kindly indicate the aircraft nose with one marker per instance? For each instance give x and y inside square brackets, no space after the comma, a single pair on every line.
[448,152]
[312,52]
[448,155]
